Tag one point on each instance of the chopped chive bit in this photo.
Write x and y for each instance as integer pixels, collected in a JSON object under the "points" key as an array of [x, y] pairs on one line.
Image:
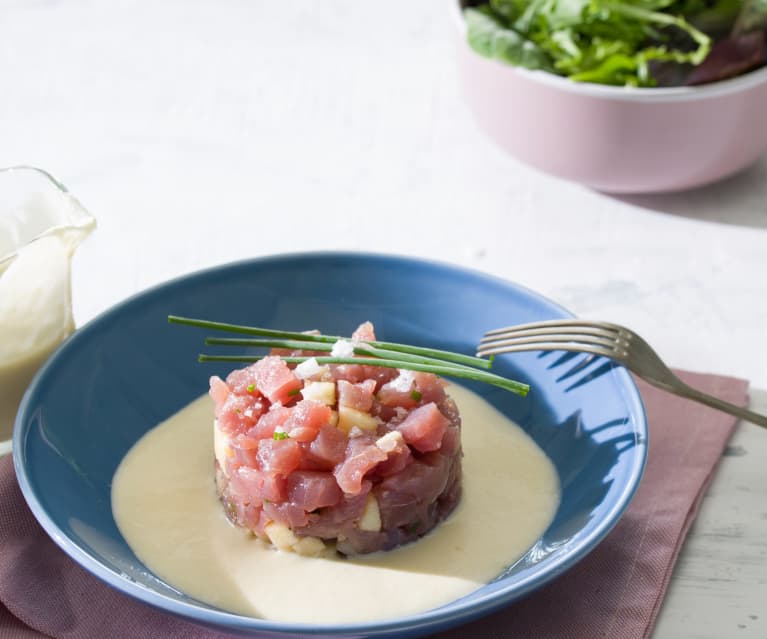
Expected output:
{"points": [[251, 388], [278, 434], [294, 392], [416, 395]]}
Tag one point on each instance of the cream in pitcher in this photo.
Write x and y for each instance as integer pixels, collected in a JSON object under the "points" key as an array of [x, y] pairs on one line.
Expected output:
{"points": [[41, 226]]}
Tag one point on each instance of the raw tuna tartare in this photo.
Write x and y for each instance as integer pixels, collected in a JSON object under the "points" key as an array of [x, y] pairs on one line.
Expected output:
{"points": [[356, 457]]}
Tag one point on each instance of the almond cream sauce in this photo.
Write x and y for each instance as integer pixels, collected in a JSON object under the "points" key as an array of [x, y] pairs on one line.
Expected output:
{"points": [[35, 317], [165, 505]]}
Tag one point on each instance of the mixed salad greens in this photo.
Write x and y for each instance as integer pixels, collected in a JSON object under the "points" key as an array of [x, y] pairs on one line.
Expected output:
{"points": [[642, 43]]}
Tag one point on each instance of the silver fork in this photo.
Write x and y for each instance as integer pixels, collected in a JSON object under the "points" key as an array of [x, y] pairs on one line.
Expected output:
{"points": [[608, 340]]}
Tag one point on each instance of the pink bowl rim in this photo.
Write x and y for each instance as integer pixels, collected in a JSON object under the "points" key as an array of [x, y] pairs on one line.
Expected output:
{"points": [[631, 94]]}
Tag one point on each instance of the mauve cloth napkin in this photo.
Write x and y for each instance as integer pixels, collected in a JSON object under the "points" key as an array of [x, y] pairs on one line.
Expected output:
{"points": [[615, 591]]}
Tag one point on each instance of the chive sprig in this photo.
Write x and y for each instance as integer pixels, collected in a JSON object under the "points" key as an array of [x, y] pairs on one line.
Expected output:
{"points": [[374, 353], [458, 358]]}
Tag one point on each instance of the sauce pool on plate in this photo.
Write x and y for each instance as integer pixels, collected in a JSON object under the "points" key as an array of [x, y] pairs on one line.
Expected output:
{"points": [[165, 505]]}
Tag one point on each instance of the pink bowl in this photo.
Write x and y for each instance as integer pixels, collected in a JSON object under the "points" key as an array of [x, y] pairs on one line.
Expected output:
{"points": [[617, 139]]}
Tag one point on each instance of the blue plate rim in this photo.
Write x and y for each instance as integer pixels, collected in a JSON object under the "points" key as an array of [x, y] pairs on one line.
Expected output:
{"points": [[434, 619]]}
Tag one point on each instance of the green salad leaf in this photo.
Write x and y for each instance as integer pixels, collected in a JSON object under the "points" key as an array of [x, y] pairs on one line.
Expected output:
{"points": [[490, 38], [603, 41]]}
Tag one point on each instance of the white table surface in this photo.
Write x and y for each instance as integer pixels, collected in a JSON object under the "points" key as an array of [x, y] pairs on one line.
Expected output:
{"points": [[203, 132]]}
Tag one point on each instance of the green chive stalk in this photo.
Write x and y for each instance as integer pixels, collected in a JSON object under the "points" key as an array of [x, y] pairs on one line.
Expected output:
{"points": [[458, 358]]}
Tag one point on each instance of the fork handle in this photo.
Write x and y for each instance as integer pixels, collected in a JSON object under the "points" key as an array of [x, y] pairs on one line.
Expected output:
{"points": [[714, 402]]}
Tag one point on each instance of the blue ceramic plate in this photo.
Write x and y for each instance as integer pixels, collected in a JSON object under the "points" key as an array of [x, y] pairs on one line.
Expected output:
{"points": [[98, 395]]}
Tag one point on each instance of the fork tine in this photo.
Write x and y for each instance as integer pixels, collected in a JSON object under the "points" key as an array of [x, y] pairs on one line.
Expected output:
{"points": [[579, 332], [559, 323], [578, 347], [598, 338], [574, 338]]}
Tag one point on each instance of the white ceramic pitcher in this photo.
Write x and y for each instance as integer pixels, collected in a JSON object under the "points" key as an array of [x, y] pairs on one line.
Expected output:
{"points": [[41, 226]]}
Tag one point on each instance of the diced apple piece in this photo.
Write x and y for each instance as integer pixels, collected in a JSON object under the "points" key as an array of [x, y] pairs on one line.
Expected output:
{"points": [[221, 447], [371, 516], [349, 417], [310, 369], [390, 442], [324, 392], [309, 547], [281, 536]]}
